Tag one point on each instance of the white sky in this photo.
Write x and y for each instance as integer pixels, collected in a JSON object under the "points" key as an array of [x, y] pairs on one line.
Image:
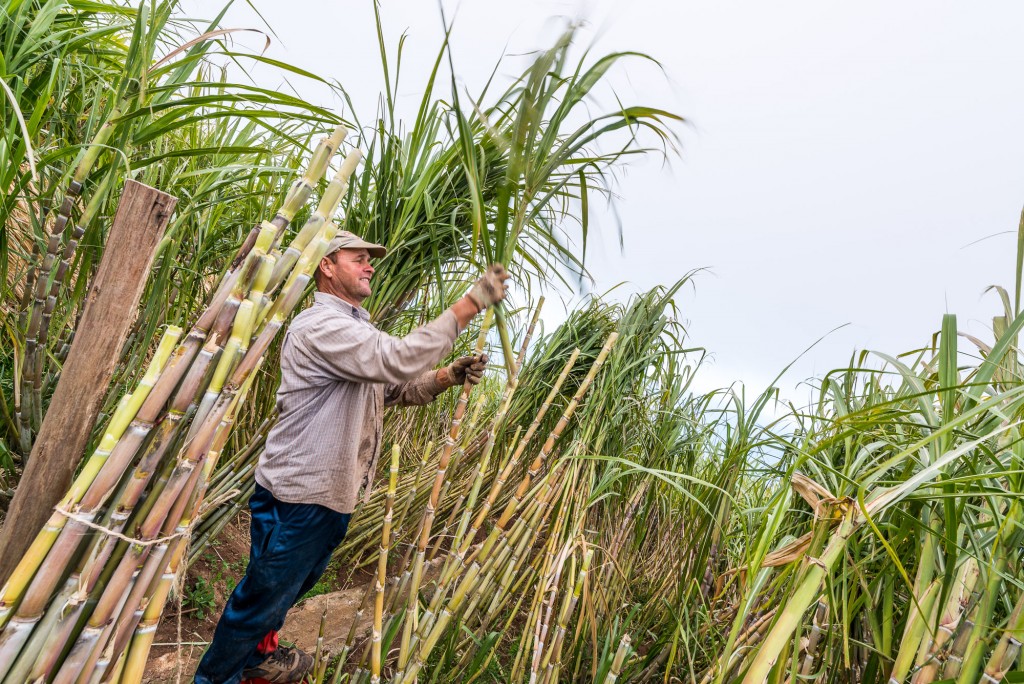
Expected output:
{"points": [[842, 162]]}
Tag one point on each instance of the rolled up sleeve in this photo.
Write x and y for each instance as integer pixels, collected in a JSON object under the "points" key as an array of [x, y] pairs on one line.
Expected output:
{"points": [[417, 392]]}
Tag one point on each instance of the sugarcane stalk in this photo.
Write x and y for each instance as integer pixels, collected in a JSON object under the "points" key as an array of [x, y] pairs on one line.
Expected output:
{"points": [[974, 656], [416, 631], [319, 657], [32, 582], [404, 569], [317, 221], [619, 660], [416, 664], [552, 654], [184, 485], [87, 576], [302, 188], [382, 567], [145, 632], [961, 639], [808, 587], [506, 344], [545, 450], [176, 523], [484, 553], [33, 357], [456, 560], [552, 562], [913, 634], [499, 482], [519, 538], [551, 576], [435, 493], [517, 542], [814, 638], [956, 602], [58, 274], [183, 481], [1008, 648]]}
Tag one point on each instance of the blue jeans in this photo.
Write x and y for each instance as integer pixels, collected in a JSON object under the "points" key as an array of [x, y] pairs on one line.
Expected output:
{"points": [[291, 546]]}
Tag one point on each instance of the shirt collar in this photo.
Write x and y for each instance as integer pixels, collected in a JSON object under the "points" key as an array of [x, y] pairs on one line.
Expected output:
{"points": [[338, 304]]}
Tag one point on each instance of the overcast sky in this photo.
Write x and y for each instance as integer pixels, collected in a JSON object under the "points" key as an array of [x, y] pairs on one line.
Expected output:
{"points": [[845, 164]]}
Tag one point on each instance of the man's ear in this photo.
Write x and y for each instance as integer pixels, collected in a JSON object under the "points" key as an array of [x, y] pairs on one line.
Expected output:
{"points": [[319, 275], [328, 259]]}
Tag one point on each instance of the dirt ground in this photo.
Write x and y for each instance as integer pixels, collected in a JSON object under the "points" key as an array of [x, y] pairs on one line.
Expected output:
{"points": [[209, 583]]}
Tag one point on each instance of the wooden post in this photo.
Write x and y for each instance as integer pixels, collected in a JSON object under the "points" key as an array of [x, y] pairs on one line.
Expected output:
{"points": [[110, 309]]}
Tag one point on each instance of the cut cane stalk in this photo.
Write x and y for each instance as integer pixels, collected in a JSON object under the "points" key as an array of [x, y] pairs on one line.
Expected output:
{"points": [[382, 567], [126, 612], [499, 482], [30, 579], [545, 450], [317, 220], [125, 582]]}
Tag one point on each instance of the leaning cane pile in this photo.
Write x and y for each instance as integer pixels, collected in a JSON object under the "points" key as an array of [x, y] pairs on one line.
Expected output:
{"points": [[84, 602]]}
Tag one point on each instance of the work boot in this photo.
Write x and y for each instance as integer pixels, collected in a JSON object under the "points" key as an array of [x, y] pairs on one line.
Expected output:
{"points": [[282, 665]]}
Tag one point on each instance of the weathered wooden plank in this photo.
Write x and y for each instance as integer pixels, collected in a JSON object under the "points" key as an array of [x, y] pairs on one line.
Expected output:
{"points": [[110, 309]]}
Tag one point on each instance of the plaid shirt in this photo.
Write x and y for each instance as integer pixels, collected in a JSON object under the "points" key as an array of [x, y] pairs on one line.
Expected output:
{"points": [[338, 372]]}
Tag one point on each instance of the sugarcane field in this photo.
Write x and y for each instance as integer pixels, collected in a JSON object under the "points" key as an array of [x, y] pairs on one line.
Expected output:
{"points": [[467, 342]]}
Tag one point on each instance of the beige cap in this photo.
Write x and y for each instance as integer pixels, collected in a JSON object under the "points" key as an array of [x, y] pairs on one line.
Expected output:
{"points": [[347, 240]]}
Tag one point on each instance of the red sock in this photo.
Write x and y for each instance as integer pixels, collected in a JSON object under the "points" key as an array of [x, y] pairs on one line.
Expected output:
{"points": [[269, 643]]}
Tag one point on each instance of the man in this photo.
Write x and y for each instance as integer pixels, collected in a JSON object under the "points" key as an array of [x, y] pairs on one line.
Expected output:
{"points": [[338, 372]]}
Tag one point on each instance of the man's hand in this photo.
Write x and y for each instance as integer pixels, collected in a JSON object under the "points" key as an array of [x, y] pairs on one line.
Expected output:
{"points": [[490, 289], [466, 369]]}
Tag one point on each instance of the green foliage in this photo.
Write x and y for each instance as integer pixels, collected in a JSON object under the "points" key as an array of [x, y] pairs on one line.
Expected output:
{"points": [[138, 98], [199, 598]]}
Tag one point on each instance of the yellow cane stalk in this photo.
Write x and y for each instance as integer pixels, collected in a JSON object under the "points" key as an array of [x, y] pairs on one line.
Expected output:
{"points": [[382, 567], [235, 305], [14, 589]]}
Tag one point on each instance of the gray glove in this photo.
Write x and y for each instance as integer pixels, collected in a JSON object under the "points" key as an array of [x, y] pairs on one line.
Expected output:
{"points": [[490, 289], [466, 369]]}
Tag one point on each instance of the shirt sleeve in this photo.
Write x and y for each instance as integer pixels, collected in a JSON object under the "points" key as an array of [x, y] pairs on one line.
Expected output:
{"points": [[419, 391], [353, 350]]}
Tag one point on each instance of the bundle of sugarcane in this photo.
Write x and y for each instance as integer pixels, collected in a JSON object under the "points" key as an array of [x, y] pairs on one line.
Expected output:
{"points": [[83, 603]]}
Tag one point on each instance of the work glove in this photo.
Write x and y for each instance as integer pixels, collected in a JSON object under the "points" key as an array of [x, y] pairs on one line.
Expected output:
{"points": [[466, 369], [490, 289]]}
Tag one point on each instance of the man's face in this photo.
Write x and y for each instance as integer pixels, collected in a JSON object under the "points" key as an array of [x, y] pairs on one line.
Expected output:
{"points": [[346, 275]]}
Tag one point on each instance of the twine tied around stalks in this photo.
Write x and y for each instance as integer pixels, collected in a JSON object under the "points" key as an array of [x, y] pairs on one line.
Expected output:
{"points": [[185, 534], [87, 522]]}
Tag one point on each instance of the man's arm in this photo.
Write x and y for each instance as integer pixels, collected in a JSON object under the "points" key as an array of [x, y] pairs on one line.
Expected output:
{"points": [[350, 350], [465, 309], [425, 388]]}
